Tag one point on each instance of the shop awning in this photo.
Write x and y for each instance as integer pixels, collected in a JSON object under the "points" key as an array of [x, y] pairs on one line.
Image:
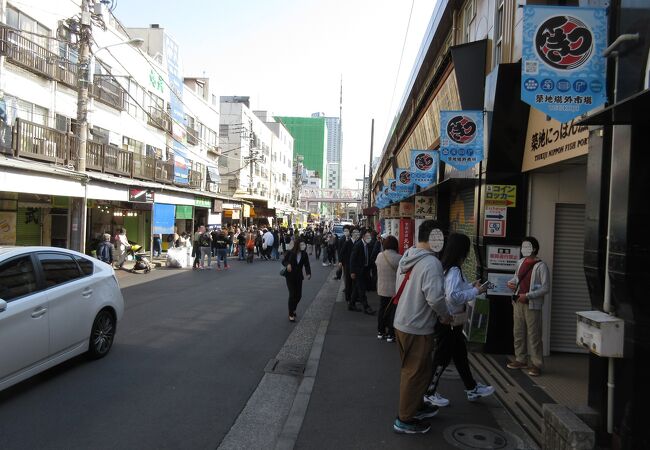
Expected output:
{"points": [[213, 174]]}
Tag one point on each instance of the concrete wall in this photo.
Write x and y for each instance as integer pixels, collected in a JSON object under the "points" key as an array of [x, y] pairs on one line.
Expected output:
{"points": [[559, 184]]}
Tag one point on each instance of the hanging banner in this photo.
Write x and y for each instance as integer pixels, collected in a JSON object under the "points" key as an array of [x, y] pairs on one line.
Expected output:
{"points": [[424, 167], [406, 234], [405, 185], [563, 70], [461, 140], [393, 194], [175, 78]]}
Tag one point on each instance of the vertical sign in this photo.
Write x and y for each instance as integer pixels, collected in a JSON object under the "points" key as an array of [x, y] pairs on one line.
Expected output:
{"points": [[406, 230], [563, 70], [424, 167], [495, 221], [461, 138], [404, 185], [181, 171]]}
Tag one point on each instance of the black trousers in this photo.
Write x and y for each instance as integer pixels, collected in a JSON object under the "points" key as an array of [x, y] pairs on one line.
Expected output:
{"points": [[451, 345], [331, 254], [347, 283], [317, 250], [359, 288], [295, 293], [385, 320]]}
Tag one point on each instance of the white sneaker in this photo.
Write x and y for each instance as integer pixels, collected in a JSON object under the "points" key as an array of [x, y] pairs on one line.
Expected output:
{"points": [[481, 390], [324, 264], [436, 399]]}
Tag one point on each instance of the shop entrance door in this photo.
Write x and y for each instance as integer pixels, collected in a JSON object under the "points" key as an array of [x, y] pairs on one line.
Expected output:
{"points": [[59, 230], [569, 286]]}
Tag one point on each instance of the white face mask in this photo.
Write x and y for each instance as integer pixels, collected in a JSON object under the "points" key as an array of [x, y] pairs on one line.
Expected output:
{"points": [[526, 249], [368, 240], [303, 246], [436, 240]]}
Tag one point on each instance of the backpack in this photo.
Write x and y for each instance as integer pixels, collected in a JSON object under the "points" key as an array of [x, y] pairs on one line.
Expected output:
{"points": [[104, 253], [204, 240]]}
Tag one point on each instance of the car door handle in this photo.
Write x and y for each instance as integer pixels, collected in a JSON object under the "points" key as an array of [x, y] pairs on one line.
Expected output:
{"points": [[38, 312], [86, 292]]}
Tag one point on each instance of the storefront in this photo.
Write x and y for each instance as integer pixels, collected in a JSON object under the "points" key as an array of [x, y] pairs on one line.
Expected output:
{"points": [[555, 158]]}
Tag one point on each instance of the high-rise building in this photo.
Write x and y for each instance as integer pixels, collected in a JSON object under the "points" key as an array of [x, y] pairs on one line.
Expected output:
{"points": [[334, 143], [310, 141]]}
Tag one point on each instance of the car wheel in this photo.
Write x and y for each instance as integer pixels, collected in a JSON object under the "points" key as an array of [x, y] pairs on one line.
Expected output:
{"points": [[102, 335]]}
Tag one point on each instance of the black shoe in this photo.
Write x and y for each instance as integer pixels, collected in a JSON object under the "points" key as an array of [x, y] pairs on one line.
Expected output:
{"points": [[368, 310]]}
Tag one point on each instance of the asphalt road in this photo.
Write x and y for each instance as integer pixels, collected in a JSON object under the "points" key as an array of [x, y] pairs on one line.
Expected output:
{"points": [[189, 352]]}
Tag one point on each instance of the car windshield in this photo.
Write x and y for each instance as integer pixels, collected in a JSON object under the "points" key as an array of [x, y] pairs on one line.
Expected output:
{"points": [[338, 229]]}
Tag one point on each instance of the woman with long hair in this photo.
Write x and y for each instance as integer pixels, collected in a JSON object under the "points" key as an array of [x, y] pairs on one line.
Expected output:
{"points": [[387, 263], [450, 337], [295, 261]]}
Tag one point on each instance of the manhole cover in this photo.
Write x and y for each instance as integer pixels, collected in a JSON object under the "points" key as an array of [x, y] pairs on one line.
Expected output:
{"points": [[479, 437]]}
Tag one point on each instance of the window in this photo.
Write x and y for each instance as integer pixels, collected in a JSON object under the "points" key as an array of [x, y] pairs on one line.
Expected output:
{"points": [[469, 12], [58, 268], [17, 108], [62, 123], [87, 266], [224, 129], [133, 145], [17, 278], [200, 89], [18, 19], [498, 33], [135, 100], [99, 134]]}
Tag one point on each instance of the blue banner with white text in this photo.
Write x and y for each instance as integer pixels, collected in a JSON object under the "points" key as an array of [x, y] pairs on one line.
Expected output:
{"points": [[461, 138], [563, 70], [424, 167]]}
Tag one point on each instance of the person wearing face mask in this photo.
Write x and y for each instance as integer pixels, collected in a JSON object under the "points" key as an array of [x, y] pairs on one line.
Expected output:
{"points": [[295, 261], [360, 264], [529, 285], [345, 249]]}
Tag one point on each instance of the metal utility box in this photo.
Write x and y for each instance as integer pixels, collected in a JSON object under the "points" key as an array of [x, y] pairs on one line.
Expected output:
{"points": [[600, 333]]}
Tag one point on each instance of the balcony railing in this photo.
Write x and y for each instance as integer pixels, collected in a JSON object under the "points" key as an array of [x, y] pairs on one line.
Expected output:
{"points": [[107, 91], [38, 142], [22, 52], [159, 118]]}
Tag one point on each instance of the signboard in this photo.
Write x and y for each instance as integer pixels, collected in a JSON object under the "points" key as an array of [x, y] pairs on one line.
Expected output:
{"points": [[217, 206], [141, 195], [461, 138], [406, 209], [424, 167], [425, 207], [247, 211], [549, 141], [394, 228], [163, 218], [563, 71], [502, 257], [406, 234], [501, 195], [478, 312], [500, 282], [174, 75], [495, 221], [394, 210], [392, 194], [202, 202], [7, 228]]}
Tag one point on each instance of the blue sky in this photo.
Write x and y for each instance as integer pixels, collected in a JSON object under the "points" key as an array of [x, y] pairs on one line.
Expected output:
{"points": [[289, 55]]}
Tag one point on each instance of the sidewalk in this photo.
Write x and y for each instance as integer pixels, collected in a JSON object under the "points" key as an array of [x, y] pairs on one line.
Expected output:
{"points": [[355, 395]]}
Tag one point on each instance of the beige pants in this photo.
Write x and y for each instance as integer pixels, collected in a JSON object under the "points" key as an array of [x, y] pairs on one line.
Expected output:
{"points": [[528, 334], [415, 375]]}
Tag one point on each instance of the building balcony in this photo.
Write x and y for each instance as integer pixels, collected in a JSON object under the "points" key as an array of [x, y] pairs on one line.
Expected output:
{"points": [[159, 118], [27, 54], [37, 142], [107, 91], [192, 136]]}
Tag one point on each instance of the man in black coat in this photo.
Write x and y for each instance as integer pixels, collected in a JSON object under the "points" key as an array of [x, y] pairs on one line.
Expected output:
{"points": [[345, 250], [360, 264]]}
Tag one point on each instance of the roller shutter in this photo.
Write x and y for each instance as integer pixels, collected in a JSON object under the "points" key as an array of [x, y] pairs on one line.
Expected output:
{"points": [[569, 287]]}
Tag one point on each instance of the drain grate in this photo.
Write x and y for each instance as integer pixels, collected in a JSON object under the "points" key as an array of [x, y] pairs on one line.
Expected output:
{"points": [[480, 437], [283, 367]]}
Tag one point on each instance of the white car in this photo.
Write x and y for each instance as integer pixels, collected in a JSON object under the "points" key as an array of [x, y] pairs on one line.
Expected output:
{"points": [[54, 304]]}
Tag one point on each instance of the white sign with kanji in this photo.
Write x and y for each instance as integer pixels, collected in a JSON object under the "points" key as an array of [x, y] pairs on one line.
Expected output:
{"points": [[503, 257]]}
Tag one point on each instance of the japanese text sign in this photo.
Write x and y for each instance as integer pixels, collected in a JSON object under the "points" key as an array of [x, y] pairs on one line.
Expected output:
{"points": [[461, 138], [501, 195], [424, 167], [502, 257], [425, 207], [563, 70], [405, 237]]}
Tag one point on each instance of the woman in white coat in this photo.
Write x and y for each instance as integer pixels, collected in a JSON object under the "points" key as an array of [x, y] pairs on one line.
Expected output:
{"points": [[387, 263]]}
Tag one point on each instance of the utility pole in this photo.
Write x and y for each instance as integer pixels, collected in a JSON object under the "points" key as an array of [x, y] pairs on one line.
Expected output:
{"points": [[83, 81], [372, 141]]}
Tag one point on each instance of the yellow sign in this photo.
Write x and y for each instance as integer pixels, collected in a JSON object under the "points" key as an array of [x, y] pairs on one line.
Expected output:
{"points": [[549, 141], [501, 195]]}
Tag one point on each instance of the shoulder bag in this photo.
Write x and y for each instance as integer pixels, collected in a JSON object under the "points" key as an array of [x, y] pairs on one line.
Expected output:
{"points": [[515, 296]]}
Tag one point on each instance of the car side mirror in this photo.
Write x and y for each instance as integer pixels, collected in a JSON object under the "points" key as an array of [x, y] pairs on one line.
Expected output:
{"points": [[3, 305]]}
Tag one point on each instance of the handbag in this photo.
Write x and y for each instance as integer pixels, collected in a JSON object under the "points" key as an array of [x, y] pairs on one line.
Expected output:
{"points": [[283, 272], [459, 319]]}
